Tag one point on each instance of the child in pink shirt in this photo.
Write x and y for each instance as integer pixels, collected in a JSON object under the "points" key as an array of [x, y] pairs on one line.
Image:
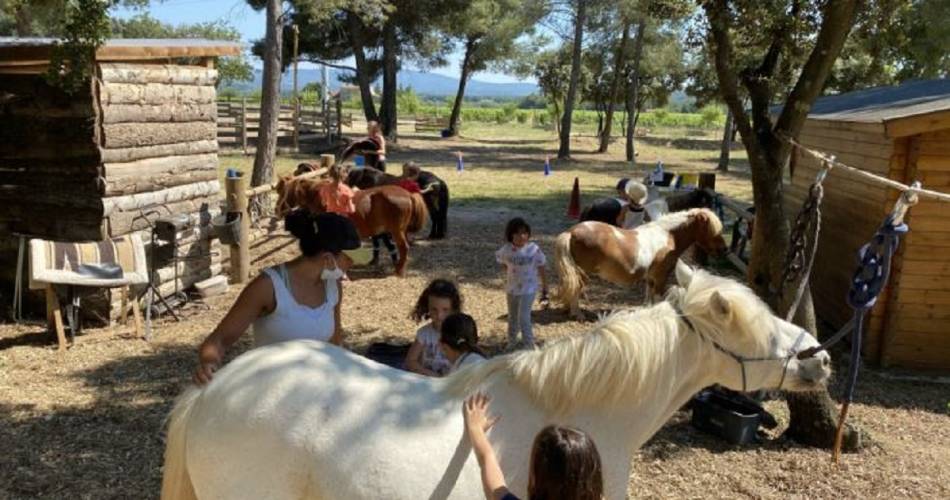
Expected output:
{"points": [[337, 197]]}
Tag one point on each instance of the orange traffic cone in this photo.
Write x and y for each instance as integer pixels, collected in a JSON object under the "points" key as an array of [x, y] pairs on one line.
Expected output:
{"points": [[574, 207]]}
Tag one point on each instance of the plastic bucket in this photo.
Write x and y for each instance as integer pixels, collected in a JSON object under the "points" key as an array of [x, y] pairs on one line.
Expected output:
{"points": [[360, 256], [227, 228]]}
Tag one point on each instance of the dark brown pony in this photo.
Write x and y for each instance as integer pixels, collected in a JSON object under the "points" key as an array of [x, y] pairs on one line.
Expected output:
{"points": [[379, 210], [365, 178], [625, 257]]}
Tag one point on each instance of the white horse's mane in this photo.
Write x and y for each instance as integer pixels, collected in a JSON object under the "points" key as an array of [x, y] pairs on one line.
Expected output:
{"points": [[612, 360], [674, 220]]}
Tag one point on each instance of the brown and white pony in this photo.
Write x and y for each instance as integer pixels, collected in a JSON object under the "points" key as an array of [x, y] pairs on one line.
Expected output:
{"points": [[625, 257], [379, 210]]}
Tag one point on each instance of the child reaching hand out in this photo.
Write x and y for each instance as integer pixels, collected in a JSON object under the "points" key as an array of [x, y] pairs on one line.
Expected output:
{"points": [[565, 463], [524, 264]]}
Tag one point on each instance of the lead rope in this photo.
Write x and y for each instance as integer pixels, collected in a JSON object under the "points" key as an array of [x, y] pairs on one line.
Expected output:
{"points": [[869, 279], [798, 262]]}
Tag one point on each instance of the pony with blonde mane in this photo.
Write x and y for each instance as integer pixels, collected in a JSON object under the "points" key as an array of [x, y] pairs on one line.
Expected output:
{"points": [[626, 257], [304, 419]]}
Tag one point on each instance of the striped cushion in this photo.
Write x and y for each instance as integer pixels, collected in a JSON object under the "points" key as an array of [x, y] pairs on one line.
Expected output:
{"points": [[58, 262]]}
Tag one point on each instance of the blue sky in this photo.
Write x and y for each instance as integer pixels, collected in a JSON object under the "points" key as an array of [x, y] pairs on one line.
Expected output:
{"points": [[251, 24]]}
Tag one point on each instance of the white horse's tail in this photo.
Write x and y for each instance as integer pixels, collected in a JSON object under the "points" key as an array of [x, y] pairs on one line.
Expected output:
{"points": [[570, 276], [176, 483]]}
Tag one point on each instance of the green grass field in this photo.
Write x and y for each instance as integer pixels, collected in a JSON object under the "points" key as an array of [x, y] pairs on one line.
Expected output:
{"points": [[504, 164]]}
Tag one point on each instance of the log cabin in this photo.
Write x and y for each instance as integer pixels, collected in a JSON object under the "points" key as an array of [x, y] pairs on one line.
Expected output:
{"points": [[137, 142], [902, 133]]}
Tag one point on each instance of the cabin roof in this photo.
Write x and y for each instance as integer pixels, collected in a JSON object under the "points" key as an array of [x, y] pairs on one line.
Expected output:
{"points": [[36, 51], [885, 104]]}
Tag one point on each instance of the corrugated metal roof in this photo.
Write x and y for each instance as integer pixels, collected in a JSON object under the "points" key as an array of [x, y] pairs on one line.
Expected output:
{"points": [[883, 104]]}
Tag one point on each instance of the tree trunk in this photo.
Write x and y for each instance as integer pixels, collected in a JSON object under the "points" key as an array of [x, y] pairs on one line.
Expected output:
{"points": [[388, 109], [726, 144], [470, 45], [633, 89], [362, 74], [564, 151], [24, 22], [813, 416], [614, 88], [270, 98]]}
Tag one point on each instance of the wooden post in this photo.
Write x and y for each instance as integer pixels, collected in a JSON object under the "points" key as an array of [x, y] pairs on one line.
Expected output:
{"points": [[297, 124], [244, 124], [339, 117], [241, 252], [54, 315], [296, 98]]}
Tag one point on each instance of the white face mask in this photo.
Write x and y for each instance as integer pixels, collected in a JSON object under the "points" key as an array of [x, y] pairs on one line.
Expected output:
{"points": [[333, 274]]}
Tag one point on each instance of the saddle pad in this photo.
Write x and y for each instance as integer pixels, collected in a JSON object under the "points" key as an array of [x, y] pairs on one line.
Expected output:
{"points": [[59, 263]]}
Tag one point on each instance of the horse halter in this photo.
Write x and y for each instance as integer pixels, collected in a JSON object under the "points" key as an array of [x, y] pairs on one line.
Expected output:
{"points": [[742, 360]]}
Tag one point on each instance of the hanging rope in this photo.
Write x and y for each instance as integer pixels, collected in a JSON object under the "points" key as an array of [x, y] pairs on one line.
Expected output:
{"points": [[867, 283], [801, 256], [923, 193]]}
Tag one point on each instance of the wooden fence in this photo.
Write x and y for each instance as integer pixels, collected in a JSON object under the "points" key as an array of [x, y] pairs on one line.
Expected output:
{"points": [[239, 122]]}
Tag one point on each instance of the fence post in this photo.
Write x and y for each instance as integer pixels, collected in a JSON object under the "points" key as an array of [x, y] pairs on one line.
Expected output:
{"points": [[244, 124], [339, 117], [236, 192], [296, 119]]}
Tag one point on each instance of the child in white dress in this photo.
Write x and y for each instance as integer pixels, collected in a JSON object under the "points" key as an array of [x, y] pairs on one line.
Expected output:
{"points": [[440, 299]]}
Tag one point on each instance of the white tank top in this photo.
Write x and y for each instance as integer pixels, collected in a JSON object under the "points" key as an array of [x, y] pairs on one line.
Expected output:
{"points": [[293, 321]]}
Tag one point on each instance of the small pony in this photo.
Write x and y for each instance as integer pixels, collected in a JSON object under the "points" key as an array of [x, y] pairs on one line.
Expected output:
{"points": [[379, 210], [607, 210], [305, 419], [625, 257]]}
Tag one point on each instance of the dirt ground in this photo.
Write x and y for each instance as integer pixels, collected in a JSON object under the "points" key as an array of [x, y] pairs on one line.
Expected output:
{"points": [[88, 424]]}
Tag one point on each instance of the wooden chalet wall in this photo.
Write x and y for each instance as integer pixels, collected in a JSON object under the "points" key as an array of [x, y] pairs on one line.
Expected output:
{"points": [[852, 209], [141, 142], [917, 330], [50, 165], [910, 324], [159, 151]]}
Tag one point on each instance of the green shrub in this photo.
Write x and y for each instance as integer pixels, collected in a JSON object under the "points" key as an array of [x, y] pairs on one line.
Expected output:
{"points": [[711, 116]]}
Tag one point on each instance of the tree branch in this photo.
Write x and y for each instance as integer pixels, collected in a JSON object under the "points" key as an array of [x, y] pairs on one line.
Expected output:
{"points": [[719, 21], [835, 26], [330, 64]]}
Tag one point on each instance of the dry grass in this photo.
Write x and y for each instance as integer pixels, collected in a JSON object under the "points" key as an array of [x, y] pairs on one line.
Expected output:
{"points": [[89, 424]]}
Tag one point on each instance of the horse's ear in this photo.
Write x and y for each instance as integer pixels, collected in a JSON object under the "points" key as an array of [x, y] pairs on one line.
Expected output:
{"points": [[684, 273], [720, 305]]}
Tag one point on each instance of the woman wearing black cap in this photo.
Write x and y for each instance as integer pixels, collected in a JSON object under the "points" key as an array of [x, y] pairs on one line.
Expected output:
{"points": [[295, 300]]}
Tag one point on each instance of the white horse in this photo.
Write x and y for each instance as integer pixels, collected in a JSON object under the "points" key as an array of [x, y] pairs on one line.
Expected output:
{"points": [[309, 420]]}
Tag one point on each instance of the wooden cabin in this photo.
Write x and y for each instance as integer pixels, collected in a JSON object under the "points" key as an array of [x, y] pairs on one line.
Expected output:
{"points": [[902, 133], [138, 142]]}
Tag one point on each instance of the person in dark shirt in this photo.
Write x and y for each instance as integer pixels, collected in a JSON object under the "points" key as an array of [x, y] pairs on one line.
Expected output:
{"points": [[373, 148], [436, 194], [607, 210]]}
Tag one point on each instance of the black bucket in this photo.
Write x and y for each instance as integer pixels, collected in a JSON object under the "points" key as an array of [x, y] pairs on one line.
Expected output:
{"points": [[731, 418], [227, 228]]}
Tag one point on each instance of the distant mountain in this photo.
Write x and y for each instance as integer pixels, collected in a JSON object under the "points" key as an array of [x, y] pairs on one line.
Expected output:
{"points": [[425, 84]]}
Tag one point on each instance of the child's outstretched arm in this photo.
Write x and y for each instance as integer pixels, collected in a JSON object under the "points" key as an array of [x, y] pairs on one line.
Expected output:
{"points": [[477, 422], [413, 362]]}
